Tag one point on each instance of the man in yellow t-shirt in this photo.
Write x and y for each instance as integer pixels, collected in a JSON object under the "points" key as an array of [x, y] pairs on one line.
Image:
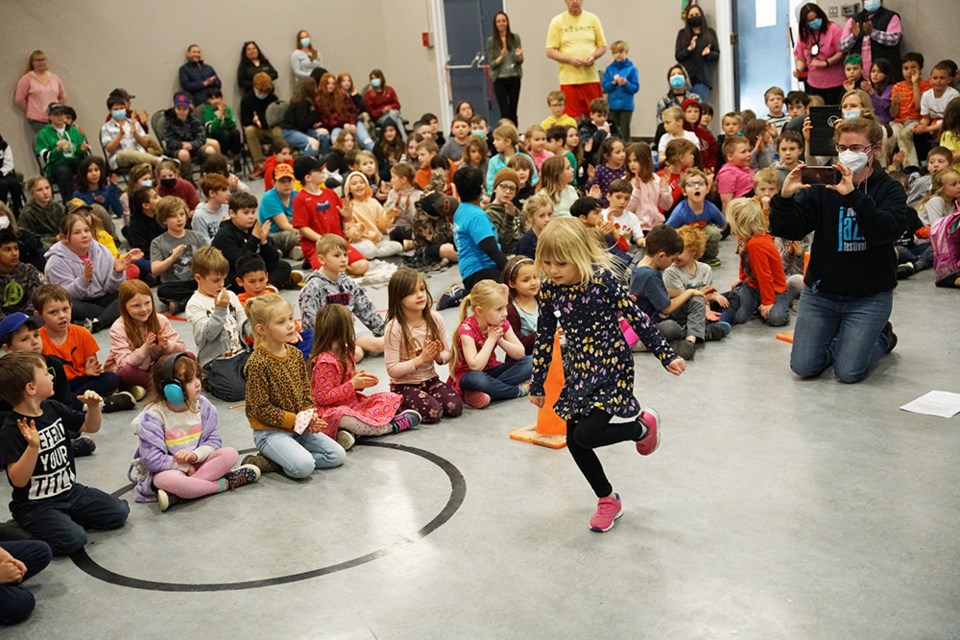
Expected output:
{"points": [[575, 39]]}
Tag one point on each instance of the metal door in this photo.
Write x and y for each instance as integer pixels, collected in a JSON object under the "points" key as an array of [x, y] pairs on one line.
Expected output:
{"points": [[468, 24], [762, 54]]}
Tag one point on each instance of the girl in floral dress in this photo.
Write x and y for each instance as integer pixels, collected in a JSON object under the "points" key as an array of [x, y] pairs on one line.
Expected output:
{"points": [[585, 298], [336, 384]]}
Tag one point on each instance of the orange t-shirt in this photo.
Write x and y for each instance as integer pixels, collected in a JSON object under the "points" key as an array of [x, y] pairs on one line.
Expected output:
{"points": [[74, 351], [908, 108]]}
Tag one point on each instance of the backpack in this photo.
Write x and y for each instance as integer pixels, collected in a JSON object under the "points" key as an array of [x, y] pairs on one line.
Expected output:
{"points": [[945, 238]]}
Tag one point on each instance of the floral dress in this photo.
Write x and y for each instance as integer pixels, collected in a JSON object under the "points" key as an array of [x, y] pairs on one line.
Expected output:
{"points": [[334, 397], [598, 364]]}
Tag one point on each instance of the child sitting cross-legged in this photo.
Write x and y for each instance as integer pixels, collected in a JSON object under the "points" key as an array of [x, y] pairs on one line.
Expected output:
{"points": [[47, 500], [18, 280], [251, 274], [219, 326], [699, 212], [523, 312], [415, 342], [625, 224], [181, 454], [681, 319], [287, 430], [502, 212], [209, 215], [242, 234], [336, 385], [371, 223], [331, 285], [172, 252], [687, 272], [538, 210], [762, 285]]}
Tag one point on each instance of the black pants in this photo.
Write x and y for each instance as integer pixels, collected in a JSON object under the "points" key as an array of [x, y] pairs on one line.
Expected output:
{"points": [[280, 274], [483, 274], [16, 603], [594, 430], [508, 97], [230, 141], [178, 292], [10, 187], [62, 521], [62, 176], [106, 309], [830, 96]]}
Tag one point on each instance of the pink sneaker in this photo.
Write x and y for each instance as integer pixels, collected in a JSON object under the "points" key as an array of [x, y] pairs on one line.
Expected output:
{"points": [[608, 510], [476, 399], [650, 418]]}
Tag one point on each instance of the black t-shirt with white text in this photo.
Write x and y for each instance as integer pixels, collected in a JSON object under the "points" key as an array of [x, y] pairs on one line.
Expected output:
{"points": [[54, 473]]}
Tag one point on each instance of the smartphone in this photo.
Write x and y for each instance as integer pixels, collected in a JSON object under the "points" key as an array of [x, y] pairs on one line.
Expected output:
{"points": [[819, 175], [823, 120]]}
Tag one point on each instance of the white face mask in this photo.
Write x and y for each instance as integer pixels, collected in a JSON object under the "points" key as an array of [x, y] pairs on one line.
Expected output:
{"points": [[853, 160], [4, 222]]}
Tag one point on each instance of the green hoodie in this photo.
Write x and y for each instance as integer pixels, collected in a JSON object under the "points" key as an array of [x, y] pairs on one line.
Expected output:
{"points": [[43, 221], [46, 147]]}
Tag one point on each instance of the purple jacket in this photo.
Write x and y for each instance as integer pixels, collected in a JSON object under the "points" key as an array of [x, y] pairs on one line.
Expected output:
{"points": [[153, 456], [65, 268]]}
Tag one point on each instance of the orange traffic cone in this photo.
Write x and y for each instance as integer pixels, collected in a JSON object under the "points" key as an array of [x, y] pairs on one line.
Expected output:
{"points": [[550, 430]]}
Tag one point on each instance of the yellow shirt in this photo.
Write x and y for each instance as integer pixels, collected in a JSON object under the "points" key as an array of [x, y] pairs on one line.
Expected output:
{"points": [[578, 37], [106, 240], [563, 120], [952, 142]]}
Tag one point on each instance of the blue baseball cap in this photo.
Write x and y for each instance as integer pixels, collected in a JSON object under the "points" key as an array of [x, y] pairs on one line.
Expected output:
{"points": [[16, 320]]}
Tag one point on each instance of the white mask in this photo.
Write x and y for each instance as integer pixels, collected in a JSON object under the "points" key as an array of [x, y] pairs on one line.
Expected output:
{"points": [[4, 222], [855, 161]]}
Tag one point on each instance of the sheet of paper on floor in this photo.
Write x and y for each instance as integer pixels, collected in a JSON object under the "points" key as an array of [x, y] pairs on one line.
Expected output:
{"points": [[943, 404]]}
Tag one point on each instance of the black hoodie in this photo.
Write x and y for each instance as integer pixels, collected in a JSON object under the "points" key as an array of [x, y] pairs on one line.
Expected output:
{"points": [[852, 251]]}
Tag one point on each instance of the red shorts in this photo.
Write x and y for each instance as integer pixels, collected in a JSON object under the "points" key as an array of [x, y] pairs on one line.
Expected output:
{"points": [[352, 256], [579, 97]]}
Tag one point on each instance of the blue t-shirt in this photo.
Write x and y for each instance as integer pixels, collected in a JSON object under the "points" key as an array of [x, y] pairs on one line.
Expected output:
{"points": [[271, 205], [646, 285], [684, 215], [471, 226]]}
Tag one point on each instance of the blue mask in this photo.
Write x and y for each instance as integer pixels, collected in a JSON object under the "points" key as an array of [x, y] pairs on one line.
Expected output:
{"points": [[851, 114], [871, 5], [815, 24], [146, 183], [119, 114], [375, 82], [304, 42], [677, 82], [262, 96]]}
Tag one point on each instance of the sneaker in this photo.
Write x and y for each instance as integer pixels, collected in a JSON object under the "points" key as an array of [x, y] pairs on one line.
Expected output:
{"points": [[257, 172], [295, 281], [714, 332], [296, 253], [244, 474], [346, 440], [524, 390], [138, 392], [716, 262], [684, 348], [90, 324], [650, 418], [726, 327], [905, 270], [166, 500], [406, 420], [891, 336], [83, 446], [608, 510], [452, 297], [262, 462], [122, 401], [476, 399]]}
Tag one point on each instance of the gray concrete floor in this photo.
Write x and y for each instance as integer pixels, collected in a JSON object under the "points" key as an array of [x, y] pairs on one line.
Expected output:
{"points": [[775, 508]]}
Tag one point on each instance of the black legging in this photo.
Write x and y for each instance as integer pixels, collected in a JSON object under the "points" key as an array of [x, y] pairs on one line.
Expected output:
{"points": [[507, 91], [491, 273], [106, 309], [62, 175], [586, 434], [830, 96]]}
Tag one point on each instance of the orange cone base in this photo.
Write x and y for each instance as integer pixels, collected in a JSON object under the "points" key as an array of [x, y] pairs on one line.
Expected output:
{"points": [[529, 434], [786, 336]]}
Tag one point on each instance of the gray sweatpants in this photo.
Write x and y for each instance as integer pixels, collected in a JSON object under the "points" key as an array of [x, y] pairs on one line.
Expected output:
{"points": [[688, 320]]}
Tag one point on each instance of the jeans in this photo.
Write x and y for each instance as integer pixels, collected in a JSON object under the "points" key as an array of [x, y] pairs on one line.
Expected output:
{"points": [[702, 90], [363, 138], [104, 384], [845, 331], [299, 454], [16, 603], [61, 521], [502, 381], [589, 432], [301, 141], [750, 301]]}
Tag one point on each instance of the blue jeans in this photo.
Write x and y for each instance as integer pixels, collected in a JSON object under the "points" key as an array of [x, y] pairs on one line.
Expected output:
{"points": [[750, 301], [502, 381], [61, 521], [841, 330], [301, 141], [300, 454], [701, 90], [363, 138], [16, 603]]}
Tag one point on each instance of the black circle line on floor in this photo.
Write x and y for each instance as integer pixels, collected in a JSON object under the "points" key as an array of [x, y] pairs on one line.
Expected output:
{"points": [[458, 491]]}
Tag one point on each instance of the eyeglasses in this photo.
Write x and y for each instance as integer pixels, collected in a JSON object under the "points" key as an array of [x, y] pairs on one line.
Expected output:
{"points": [[697, 184], [507, 188], [856, 148]]}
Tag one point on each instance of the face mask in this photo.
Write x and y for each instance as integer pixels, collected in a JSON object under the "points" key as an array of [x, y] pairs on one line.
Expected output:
{"points": [[262, 96], [4, 222], [304, 42], [695, 21], [169, 183], [853, 160], [851, 114], [146, 183], [375, 82], [871, 5], [677, 82], [119, 114], [815, 24], [477, 132]]}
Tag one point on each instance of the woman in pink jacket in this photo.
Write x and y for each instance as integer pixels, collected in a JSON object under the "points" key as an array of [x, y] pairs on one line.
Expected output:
{"points": [[818, 54], [36, 89]]}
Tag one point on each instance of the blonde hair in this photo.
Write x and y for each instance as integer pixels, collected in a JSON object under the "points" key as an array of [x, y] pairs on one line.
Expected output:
{"points": [[674, 113], [693, 239], [507, 132], [619, 46], [550, 172], [556, 96], [169, 205], [567, 239], [535, 203], [209, 260], [485, 293], [746, 218], [767, 175], [692, 173], [261, 310], [532, 129], [937, 184], [330, 241]]}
